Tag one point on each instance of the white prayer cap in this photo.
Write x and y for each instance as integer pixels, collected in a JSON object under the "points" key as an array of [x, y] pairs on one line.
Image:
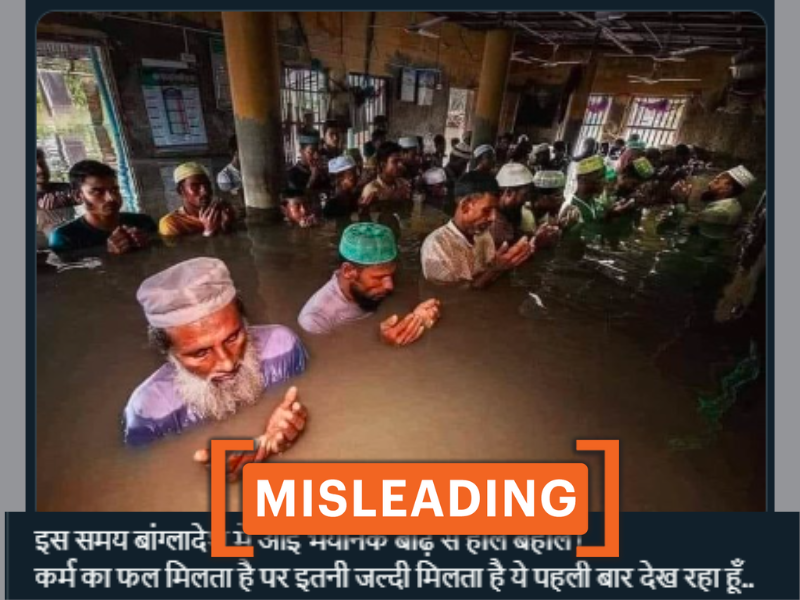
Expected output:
{"points": [[461, 150], [340, 164], [549, 180], [481, 150], [408, 142], [186, 292], [540, 148], [742, 176], [514, 175], [434, 176]]}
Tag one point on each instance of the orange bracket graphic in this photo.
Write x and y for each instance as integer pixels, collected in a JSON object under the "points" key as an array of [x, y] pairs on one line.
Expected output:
{"points": [[610, 548], [219, 488]]}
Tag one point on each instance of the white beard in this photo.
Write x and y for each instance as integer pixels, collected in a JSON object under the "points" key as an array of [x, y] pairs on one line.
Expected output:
{"points": [[207, 399]]}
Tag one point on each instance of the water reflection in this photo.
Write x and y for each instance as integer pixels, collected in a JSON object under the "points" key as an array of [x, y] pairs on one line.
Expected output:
{"points": [[607, 339]]}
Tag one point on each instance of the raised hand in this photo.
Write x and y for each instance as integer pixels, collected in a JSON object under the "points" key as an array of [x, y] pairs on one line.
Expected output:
{"points": [[402, 332]]}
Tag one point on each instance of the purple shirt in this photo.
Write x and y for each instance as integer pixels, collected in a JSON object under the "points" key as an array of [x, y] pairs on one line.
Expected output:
{"points": [[328, 308], [155, 408]]}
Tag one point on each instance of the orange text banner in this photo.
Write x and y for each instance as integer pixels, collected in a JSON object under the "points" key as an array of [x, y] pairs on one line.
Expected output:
{"points": [[416, 498]]}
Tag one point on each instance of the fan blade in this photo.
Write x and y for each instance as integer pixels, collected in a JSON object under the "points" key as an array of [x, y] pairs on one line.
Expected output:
{"points": [[672, 59], [631, 55], [427, 34], [674, 79], [685, 51], [568, 62], [428, 23]]}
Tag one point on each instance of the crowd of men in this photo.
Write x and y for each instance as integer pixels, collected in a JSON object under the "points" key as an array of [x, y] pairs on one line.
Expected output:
{"points": [[504, 202]]}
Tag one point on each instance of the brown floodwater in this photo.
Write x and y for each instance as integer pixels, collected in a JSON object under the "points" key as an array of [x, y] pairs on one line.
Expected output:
{"points": [[622, 350]]}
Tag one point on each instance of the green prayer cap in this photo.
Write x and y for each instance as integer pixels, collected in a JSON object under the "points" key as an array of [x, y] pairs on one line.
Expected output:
{"points": [[368, 244], [590, 165], [644, 168]]}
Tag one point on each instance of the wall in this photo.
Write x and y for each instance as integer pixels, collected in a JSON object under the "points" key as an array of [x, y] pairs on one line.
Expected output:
{"points": [[375, 44], [127, 43], [732, 137], [358, 42]]}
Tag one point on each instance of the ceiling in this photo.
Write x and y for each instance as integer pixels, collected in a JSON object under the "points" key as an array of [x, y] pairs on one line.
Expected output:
{"points": [[650, 32]]}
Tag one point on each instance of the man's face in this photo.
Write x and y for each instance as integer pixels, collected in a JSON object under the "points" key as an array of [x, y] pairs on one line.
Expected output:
{"points": [[478, 212], [347, 180], [410, 157], [719, 188], [487, 163], [437, 190], [42, 173], [333, 137], [591, 184], [211, 348], [393, 166], [549, 200], [542, 157], [100, 196], [440, 146], [627, 185], [196, 191], [370, 285], [457, 164], [296, 212], [309, 155], [512, 199], [235, 160]]}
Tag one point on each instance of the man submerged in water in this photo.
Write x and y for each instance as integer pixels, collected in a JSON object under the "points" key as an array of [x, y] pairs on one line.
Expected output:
{"points": [[199, 212], [363, 281], [94, 185], [216, 361], [722, 197], [463, 250]]}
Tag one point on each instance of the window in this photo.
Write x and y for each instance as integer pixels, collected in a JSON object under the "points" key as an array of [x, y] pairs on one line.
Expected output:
{"points": [[594, 119], [655, 119], [304, 102], [369, 100]]}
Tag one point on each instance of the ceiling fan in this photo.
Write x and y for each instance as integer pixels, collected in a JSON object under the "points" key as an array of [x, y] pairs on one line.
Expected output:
{"points": [[605, 31], [653, 78], [663, 55], [676, 56], [542, 62], [418, 28]]}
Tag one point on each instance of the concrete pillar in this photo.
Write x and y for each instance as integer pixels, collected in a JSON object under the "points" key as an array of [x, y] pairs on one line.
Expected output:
{"points": [[492, 85], [254, 67], [576, 109]]}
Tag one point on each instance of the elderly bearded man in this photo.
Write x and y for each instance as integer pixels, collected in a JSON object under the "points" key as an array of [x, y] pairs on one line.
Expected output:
{"points": [[216, 361]]}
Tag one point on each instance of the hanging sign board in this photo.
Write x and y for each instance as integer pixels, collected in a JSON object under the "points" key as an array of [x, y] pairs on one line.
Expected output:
{"points": [[408, 85], [172, 98]]}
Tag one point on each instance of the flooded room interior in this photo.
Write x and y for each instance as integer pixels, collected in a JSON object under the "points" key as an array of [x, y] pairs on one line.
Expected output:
{"points": [[462, 236]]}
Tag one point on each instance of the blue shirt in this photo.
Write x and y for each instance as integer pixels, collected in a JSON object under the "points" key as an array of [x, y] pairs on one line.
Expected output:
{"points": [[78, 234]]}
